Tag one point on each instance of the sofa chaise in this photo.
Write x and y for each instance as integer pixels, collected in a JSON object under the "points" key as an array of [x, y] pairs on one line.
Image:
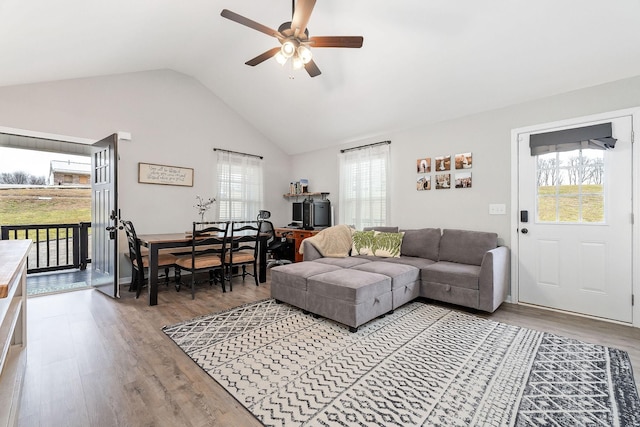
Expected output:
{"points": [[461, 267]]}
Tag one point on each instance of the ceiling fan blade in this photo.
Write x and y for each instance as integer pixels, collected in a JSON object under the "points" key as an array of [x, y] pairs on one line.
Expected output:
{"points": [[263, 57], [301, 15], [226, 13], [336, 41], [312, 68]]}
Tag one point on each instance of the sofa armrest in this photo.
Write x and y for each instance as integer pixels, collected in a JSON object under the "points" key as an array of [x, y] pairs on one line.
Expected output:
{"points": [[494, 278], [309, 252]]}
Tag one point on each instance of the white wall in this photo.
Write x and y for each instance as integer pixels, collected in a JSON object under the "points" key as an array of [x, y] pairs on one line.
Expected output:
{"points": [[173, 120], [487, 136]]}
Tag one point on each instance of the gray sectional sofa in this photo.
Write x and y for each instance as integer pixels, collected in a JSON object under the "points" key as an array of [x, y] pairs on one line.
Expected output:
{"points": [[462, 267]]}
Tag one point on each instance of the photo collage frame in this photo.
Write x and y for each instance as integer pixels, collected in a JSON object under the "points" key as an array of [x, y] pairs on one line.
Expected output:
{"points": [[438, 171]]}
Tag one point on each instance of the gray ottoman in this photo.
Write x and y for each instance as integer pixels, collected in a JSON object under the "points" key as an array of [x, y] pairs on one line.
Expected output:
{"points": [[289, 282], [405, 279], [349, 296]]}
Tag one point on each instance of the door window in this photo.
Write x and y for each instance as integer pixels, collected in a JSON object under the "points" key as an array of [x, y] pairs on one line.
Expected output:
{"points": [[570, 187]]}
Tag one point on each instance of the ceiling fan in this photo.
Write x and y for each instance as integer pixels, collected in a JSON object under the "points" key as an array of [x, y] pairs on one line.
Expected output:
{"points": [[294, 38]]}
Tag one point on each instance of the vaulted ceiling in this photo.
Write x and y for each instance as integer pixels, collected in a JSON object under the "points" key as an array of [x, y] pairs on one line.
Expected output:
{"points": [[422, 61]]}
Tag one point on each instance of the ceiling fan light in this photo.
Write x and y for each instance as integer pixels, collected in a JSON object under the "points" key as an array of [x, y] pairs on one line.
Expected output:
{"points": [[288, 49], [304, 53], [280, 58], [297, 62]]}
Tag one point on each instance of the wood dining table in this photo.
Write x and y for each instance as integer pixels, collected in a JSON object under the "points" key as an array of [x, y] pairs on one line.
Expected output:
{"points": [[155, 242]]}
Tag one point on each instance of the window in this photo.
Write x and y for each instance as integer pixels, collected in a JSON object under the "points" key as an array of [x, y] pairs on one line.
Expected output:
{"points": [[570, 187], [239, 184], [364, 180]]}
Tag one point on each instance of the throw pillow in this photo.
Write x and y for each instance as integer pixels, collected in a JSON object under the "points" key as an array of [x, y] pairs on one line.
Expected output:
{"points": [[387, 245], [363, 243]]}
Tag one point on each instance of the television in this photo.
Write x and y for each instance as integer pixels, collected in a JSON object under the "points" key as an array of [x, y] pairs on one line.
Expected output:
{"points": [[296, 212]]}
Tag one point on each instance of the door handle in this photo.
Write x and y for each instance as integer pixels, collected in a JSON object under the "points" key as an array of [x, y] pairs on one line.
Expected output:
{"points": [[112, 232], [524, 231]]}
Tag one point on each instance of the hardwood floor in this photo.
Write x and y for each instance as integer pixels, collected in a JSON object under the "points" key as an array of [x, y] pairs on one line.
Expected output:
{"points": [[95, 361]]}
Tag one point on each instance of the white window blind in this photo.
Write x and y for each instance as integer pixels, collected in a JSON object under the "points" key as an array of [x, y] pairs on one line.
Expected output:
{"points": [[364, 181], [239, 184]]}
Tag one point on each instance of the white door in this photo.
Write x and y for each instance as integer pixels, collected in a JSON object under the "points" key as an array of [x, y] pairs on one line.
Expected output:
{"points": [[104, 216], [575, 247]]}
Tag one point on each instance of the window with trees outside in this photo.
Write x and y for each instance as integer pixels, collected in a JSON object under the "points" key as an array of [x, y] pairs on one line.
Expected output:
{"points": [[570, 187]]}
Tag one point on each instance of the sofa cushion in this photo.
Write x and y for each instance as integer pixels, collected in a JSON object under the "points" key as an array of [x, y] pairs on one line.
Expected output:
{"points": [[466, 247], [422, 243], [295, 275], [453, 274], [407, 260], [346, 262], [400, 274], [383, 229]]}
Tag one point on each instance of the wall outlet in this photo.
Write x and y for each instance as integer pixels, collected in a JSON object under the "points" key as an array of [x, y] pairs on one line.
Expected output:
{"points": [[497, 209]]}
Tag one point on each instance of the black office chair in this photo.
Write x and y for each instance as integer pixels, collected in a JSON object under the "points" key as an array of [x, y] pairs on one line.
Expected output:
{"points": [[277, 246]]}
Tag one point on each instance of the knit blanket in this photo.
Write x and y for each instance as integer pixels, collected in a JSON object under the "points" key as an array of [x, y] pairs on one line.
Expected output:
{"points": [[332, 242]]}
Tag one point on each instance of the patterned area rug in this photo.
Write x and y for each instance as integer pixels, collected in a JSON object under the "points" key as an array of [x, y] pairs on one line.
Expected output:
{"points": [[422, 365]]}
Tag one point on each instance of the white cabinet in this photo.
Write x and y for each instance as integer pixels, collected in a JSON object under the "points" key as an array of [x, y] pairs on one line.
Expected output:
{"points": [[13, 327]]}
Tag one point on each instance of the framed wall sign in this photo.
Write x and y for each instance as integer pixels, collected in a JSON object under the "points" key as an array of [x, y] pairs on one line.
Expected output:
{"points": [[149, 173]]}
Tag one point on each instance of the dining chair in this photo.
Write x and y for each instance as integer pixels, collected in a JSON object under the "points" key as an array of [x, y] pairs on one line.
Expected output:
{"points": [[140, 261], [242, 250], [208, 241]]}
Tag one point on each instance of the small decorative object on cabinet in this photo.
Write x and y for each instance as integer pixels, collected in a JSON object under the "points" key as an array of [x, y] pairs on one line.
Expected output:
{"points": [[13, 325]]}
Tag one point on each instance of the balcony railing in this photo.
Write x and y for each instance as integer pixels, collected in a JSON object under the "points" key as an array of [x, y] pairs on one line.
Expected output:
{"points": [[55, 246]]}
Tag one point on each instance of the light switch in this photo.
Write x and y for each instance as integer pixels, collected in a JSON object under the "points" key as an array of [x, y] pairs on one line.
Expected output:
{"points": [[497, 209]]}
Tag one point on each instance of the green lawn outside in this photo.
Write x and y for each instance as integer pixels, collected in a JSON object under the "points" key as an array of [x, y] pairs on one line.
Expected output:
{"points": [[49, 205], [569, 203]]}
